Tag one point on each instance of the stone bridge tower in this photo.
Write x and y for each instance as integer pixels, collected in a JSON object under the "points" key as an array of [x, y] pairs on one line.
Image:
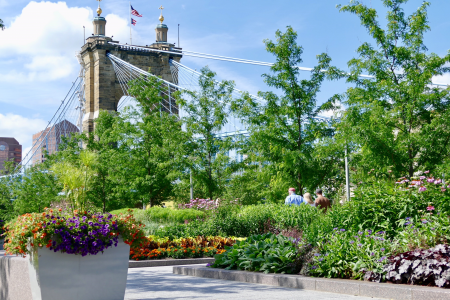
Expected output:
{"points": [[102, 88]]}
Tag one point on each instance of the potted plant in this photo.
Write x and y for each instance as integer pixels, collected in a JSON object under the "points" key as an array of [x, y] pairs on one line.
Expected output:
{"points": [[75, 255]]}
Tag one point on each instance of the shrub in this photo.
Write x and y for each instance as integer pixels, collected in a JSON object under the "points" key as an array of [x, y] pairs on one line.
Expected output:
{"points": [[349, 254], [266, 253], [160, 214], [423, 232], [422, 267]]}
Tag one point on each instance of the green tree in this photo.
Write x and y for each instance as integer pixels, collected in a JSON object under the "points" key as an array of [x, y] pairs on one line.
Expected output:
{"points": [[109, 187], [34, 190], [2, 26], [286, 139], [396, 119], [206, 115], [154, 141]]}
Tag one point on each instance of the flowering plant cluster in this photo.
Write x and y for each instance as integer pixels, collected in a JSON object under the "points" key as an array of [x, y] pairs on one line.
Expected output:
{"points": [[156, 248], [206, 204], [200, 204], [173, 252], [348, 254], [73, 233], [422, 183]]}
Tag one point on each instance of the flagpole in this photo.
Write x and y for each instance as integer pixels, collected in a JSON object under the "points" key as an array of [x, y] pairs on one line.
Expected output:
{"points": [[131, 41]]}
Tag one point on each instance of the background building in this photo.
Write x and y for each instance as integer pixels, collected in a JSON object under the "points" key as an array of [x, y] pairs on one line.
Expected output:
{"points": [[10, 150], [49, 139]]}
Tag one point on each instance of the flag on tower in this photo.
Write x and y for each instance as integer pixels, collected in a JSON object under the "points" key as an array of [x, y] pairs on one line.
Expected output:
{"points": [[133, 22], [135, 12]]}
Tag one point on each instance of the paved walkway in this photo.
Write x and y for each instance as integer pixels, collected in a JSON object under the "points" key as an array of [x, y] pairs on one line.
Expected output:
{"points": [[161, 283]]}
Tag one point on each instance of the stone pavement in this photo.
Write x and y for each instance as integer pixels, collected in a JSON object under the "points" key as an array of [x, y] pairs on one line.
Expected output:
{"points": [[161, 283]]}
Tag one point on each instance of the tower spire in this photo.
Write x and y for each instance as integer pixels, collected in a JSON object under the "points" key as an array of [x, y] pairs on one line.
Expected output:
{"points": [[99, 10], [161, 18], [161, 29]]}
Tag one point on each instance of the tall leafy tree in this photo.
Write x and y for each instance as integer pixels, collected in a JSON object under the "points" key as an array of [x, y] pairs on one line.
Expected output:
{"points": [[155, 143], [206, 116], [293, 147], [2, 26], [109, 188], [397, 119]]}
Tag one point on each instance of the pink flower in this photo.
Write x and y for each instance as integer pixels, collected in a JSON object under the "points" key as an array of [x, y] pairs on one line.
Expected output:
{"points": [[430, 180], [426, 172], [406, 180], [422, 189], [422, 177], [430, 208], [438, 181], [390, 171], [443, 189]]}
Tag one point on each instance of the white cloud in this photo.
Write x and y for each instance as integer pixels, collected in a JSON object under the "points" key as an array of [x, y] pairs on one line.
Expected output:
{"points": [[20, 128], [45, 38], [444, 79]]}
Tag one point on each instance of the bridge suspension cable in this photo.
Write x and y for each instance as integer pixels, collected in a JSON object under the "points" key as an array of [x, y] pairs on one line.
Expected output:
{"points": [[232, 59]]}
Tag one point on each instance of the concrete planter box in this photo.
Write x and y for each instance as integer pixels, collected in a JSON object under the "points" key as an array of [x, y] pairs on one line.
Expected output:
{"points": [[56, 275]]}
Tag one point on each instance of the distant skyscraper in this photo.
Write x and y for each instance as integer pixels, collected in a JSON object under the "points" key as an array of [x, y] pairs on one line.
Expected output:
{"points": [[10, 150], [49, 139]]}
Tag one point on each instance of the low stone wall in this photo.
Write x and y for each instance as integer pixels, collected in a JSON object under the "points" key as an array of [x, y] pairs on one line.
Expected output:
{"points": [[14, 278], [340, 286], [168, 262]]}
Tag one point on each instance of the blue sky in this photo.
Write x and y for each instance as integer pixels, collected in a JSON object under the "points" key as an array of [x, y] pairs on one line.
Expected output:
{"points": [[37, 50]]}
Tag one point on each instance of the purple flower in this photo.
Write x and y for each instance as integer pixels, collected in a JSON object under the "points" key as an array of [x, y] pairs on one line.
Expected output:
{"points": [[360, 232], [369, 231], [342, 230], [316, 254], [359, 245], [314, 267], [422, 189], [382, 249], [424, 221], [372, 254], [382, 259], [438, 181], [335, 228], [209, 264], [430, 180], [321, 259], [352, 242]]}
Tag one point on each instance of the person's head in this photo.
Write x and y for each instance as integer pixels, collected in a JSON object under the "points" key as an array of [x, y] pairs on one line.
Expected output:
{"points": [[308, 198], [291, 191], [319, 192]]}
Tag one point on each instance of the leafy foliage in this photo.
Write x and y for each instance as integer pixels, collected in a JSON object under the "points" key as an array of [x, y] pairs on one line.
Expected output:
{"points": [[422, 267], [266, 253], [206, 116], [284, 135], [349, 254], [397, 118]]}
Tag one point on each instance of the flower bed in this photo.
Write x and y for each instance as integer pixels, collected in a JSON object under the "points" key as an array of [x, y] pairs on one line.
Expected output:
{"points": [[73, 233], [159, 248]]}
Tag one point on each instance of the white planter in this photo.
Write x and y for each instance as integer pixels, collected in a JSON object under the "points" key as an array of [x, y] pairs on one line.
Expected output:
{"points": [[62, 276]]}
